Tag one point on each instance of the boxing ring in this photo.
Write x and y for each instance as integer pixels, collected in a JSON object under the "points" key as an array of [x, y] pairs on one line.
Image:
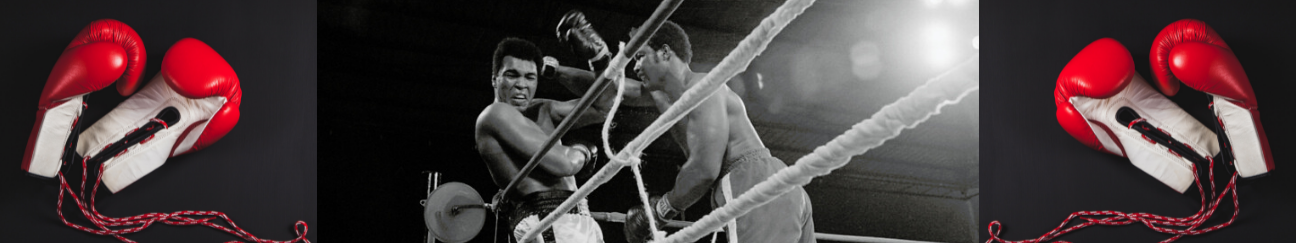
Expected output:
{"points": [[907, 112]]}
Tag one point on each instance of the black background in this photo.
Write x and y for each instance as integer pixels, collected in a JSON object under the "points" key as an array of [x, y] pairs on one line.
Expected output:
{"points": [[1035, 174], [262, 174]]}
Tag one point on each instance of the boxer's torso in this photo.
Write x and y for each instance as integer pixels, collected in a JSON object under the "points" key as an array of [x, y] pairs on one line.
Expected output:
{"points": [[742, 135], [504, 164]]}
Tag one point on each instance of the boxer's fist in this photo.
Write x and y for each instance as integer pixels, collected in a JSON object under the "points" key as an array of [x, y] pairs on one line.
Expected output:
{"points": [[636, 223], [636, 228], [577, 33], [588, 160]]}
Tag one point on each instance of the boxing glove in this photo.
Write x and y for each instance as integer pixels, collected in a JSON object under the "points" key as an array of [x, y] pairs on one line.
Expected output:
{"points": [[1189, 51], [1098, 85], [636, 226], [577, 33], [588, 162], [191, 103], [104, 52]]}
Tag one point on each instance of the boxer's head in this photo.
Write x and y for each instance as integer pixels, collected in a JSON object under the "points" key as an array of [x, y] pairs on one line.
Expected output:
{"points": [[514, 71], [667, 53]]}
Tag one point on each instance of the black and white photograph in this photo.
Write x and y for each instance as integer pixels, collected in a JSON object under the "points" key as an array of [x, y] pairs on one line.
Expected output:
{"points": [[661, 121]]}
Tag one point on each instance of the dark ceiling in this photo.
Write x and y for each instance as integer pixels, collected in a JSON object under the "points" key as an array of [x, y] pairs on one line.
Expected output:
{"points": [[414, 74]]}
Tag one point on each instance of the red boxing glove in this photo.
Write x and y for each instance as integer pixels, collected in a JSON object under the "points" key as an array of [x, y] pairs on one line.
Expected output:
{"points": [[105, 51], [1189, 51]]}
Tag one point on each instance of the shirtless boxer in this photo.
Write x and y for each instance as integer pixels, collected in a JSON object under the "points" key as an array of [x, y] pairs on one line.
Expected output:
{"points": [[513, 128], [722, 148]]}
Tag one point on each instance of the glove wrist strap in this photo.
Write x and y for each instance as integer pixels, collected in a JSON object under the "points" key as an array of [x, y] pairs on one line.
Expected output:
{"points": [[550, 68], [664, 209], [601, 61]]}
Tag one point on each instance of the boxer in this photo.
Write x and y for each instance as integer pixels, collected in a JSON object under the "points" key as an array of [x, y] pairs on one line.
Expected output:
{"points": [[513, 128], [725, 155]]}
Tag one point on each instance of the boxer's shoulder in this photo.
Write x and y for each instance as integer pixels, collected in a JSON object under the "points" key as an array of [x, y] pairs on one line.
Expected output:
{"points": [[552, 109], [496, 114], [539, 103]]}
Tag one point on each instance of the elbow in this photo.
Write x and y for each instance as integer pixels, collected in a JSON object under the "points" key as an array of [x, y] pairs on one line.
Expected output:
{"points": [[704, 177], [699, 185], [570, 164], [708, 175], [569, 171], [562, 170], [707, 181], [602, 109], [710, 178], [563, 164], [574, 167], [709, 171], [567, 168]]}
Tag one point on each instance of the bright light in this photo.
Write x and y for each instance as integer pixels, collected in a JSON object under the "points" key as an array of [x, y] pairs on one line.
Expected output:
{"points": [[958, 2], [938, 38], [976, 44], [760, 81]]}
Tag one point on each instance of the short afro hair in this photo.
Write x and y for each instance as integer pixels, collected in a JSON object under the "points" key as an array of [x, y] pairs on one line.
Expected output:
{"points": [[672, 35], [516, 48]]}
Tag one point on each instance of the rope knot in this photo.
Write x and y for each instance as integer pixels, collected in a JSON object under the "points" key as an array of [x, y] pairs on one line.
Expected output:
{"points": [[624, 161]]}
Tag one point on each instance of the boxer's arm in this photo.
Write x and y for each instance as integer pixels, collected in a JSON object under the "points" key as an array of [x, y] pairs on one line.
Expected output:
{"points": [[708, 137], [578, 81], [559, 110], [522, 138]]}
